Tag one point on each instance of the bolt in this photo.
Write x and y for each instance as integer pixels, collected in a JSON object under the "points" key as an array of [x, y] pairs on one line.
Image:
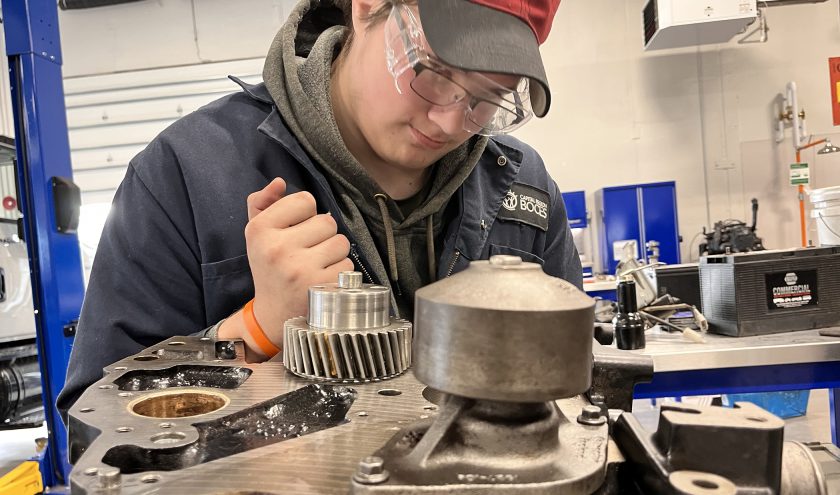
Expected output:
{"points": [[109, 478], [502, 161], [591, 415], [371, 471]]}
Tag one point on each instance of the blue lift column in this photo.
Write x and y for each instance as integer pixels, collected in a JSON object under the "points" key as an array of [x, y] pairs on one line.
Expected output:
{"points": [[44, 174]]}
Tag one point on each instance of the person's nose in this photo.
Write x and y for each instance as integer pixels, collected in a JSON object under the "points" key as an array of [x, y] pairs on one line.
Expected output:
{"points": [[450, 119]]}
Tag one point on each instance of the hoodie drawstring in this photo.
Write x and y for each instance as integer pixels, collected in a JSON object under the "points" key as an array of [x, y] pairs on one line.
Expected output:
{"points": [[389, 235], [430, 247], [391, 245]]}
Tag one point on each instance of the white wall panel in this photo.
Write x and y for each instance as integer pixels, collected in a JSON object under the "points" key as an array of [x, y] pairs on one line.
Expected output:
{"points": [[112, 117]]}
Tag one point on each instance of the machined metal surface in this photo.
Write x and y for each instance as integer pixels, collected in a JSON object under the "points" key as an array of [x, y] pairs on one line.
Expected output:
{"points": [[105, 420], [504, 330], [672, 352], [348, 335]]}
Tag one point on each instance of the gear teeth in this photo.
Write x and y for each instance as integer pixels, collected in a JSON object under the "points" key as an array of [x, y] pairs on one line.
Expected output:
{"points": [[347, 356]]}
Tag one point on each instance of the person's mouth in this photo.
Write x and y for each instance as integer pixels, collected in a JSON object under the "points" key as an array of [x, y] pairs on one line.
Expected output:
{"points": [[427, 141]]}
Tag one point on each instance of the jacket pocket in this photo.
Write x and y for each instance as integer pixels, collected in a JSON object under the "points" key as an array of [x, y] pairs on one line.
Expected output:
{"points": [[512, 251], [222, 268], [227, 285]]}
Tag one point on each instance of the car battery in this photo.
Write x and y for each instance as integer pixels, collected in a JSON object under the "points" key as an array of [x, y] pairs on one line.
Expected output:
{"points": [[681, 281], [765, 292]]}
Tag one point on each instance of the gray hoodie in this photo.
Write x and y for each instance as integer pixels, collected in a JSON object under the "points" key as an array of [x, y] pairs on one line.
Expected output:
{"points": [[297, 74]]}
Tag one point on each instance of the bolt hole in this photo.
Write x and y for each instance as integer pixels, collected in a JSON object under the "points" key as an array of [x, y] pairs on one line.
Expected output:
{"points": [[87, 409], [168, 437], [120, 368], [106, 387], [91, 471], [705, 484], [757, 419], [389, 392], [167, 425], [125, 429], [146, 358], [150, 478], [125, 394], [176, 343], [178, 405], [204, 339]]}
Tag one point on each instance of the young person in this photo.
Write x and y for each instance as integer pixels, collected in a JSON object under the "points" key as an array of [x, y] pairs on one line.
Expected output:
{"points": [[376, 143]]}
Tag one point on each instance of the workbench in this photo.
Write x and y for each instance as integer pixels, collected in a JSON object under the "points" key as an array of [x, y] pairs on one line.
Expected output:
{"points": [[801, 360]]}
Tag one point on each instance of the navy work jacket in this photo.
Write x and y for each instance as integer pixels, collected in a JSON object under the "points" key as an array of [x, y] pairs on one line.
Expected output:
{"points": [[172, 258]]}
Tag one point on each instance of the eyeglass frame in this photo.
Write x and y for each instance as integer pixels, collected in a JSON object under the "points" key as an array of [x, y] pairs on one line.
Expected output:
{"points": [[419, 60]]}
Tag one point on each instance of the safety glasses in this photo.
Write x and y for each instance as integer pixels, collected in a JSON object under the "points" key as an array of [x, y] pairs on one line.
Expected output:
{"points": [[490, 107]]}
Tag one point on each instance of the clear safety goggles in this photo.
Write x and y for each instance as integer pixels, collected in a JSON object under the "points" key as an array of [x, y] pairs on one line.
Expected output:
{"points": [[489, 107]]}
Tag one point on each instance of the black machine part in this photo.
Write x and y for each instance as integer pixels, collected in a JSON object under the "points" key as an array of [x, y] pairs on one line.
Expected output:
{"points": [[732, 451], [733, 236], [20, 387], [628, 325]]}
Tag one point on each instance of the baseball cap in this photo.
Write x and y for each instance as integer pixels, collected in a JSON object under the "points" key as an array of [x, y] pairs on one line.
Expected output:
{"points": [[501, 36]]}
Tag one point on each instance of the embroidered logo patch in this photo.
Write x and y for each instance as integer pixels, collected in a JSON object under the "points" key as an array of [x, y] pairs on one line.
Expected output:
{"points": [[526, 204]]}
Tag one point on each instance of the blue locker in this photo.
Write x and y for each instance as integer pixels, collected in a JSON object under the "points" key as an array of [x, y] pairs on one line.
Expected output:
{"points": [[575, 202], [640, 213]]}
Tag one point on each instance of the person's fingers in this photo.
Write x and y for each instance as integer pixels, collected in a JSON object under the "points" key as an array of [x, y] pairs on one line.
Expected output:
{"points": [[312, 231], [330, 251], [288, 211], [265, 197]]}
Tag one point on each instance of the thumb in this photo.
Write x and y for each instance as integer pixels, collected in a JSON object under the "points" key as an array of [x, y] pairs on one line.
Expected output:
{"points": [[265, 197]]}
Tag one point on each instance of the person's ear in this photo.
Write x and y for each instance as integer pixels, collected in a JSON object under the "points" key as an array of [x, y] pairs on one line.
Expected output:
{"points": [[361, 10]]}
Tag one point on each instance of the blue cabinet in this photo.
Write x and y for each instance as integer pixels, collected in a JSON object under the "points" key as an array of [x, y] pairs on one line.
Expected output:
{"points": [[637, 214], [575, 202]]}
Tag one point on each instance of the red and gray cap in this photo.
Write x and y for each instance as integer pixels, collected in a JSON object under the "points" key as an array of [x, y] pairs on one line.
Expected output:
{"points": [[500, 36]]}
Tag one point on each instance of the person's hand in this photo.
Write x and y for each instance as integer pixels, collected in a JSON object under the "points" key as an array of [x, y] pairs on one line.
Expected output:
{"points": [[290, 248]]}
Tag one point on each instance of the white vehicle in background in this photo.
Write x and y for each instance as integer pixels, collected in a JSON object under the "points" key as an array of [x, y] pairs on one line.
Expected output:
{"points": [[20, 377]]}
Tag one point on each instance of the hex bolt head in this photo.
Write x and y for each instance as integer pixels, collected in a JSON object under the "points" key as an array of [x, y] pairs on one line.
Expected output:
{"points": [[371, 471], [109, 478], [591, 415]]}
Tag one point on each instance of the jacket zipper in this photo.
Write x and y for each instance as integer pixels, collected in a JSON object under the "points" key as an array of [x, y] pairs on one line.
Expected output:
{"points": [[359, 263], [454, 260]]}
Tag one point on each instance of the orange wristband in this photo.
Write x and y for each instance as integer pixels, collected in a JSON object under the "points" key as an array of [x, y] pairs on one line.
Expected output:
{"points": [[256, 332]]}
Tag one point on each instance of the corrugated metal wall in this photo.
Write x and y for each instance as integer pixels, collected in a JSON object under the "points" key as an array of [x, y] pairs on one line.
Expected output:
{"points": [[112, 117]]}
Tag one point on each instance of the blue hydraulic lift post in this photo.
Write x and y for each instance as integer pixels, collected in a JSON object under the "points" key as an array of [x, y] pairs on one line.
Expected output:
{"points": [[43, 152]]}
